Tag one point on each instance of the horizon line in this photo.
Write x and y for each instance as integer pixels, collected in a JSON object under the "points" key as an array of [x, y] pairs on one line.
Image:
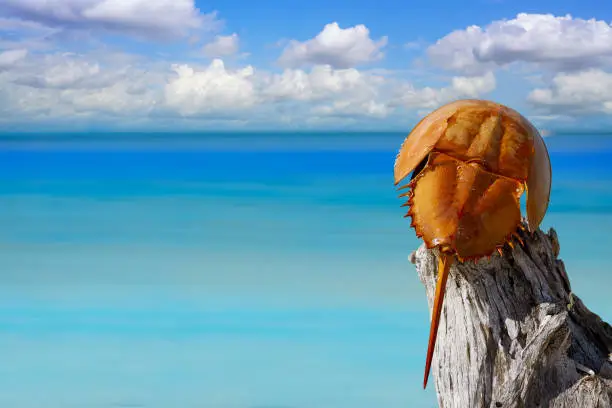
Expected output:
{"points": [[56, 132]]}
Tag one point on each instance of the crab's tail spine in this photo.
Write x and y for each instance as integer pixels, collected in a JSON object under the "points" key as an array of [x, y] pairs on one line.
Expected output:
{"points": [[444, 264]]}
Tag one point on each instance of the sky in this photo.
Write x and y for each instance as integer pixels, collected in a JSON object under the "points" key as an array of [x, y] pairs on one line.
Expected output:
{"points": [[83, 65]]}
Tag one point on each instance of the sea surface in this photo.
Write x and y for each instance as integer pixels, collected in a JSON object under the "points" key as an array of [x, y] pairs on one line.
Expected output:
{"points": [[236, 270]]}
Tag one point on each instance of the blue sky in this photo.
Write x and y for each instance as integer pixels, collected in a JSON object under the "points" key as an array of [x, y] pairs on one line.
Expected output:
{"points": [[185, 65]]}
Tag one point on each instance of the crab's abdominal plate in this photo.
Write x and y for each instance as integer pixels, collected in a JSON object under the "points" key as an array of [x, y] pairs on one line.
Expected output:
{"points": [[464, 207]]}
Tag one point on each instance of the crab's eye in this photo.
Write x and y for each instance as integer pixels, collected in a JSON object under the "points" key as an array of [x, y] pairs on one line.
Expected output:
{"points": [[419, 168]]}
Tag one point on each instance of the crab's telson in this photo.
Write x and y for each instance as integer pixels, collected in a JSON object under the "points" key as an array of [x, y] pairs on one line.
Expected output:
{"points": [[471, 161]]}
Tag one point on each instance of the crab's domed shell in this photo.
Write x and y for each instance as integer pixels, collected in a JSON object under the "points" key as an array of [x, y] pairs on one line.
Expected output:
{"points": [[496, 136]]}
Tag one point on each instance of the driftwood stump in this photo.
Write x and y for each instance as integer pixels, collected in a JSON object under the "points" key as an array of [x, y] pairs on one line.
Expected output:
{"points": [[512, 334]]}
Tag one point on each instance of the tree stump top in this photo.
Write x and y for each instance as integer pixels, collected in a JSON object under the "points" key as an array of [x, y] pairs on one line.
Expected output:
{"points": [[512, 333]]}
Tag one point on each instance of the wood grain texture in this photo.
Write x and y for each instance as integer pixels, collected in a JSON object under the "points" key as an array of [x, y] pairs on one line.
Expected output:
{"points": [[513, 335]]}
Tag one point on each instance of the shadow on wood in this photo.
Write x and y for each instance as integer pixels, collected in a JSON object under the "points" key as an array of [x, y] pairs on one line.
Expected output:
{"points": [[513, 335]]}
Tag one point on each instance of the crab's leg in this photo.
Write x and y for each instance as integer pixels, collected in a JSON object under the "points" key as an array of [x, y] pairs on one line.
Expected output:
{"points": [[444, 265]]}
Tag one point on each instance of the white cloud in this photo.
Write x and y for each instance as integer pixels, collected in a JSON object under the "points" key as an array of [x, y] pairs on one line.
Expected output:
{"points": [[222, 46], [335, 46], [560, 43], [213, 90], [351, 109], [431, 98], [11, 57], [472, 87], [20, 25], [353, 93], [335, 92], [121, 98], [321, 82], [69, 74], [91, 86], [585, 92], [68, 85], [20, 34], [63, 72], [151, 18]]}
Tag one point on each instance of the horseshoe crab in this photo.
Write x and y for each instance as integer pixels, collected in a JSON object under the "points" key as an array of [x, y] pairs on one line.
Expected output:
{"points": [[471, 160]]}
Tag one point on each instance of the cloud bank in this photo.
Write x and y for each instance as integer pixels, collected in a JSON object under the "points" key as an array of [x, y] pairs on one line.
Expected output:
{"points": [[60, 64]]}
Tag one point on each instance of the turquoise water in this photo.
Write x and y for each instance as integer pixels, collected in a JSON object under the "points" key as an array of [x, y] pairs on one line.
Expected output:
{"points": [[236, 270]]}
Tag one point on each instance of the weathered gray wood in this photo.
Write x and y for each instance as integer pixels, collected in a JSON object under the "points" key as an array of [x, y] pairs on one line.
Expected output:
{"points": [[513, 335]]}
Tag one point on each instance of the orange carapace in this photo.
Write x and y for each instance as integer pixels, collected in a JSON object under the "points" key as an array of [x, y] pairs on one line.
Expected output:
{"points": [[470, 161]]}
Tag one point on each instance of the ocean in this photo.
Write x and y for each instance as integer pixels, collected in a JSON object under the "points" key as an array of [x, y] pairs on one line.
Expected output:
{"points": [[236, 270]]}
